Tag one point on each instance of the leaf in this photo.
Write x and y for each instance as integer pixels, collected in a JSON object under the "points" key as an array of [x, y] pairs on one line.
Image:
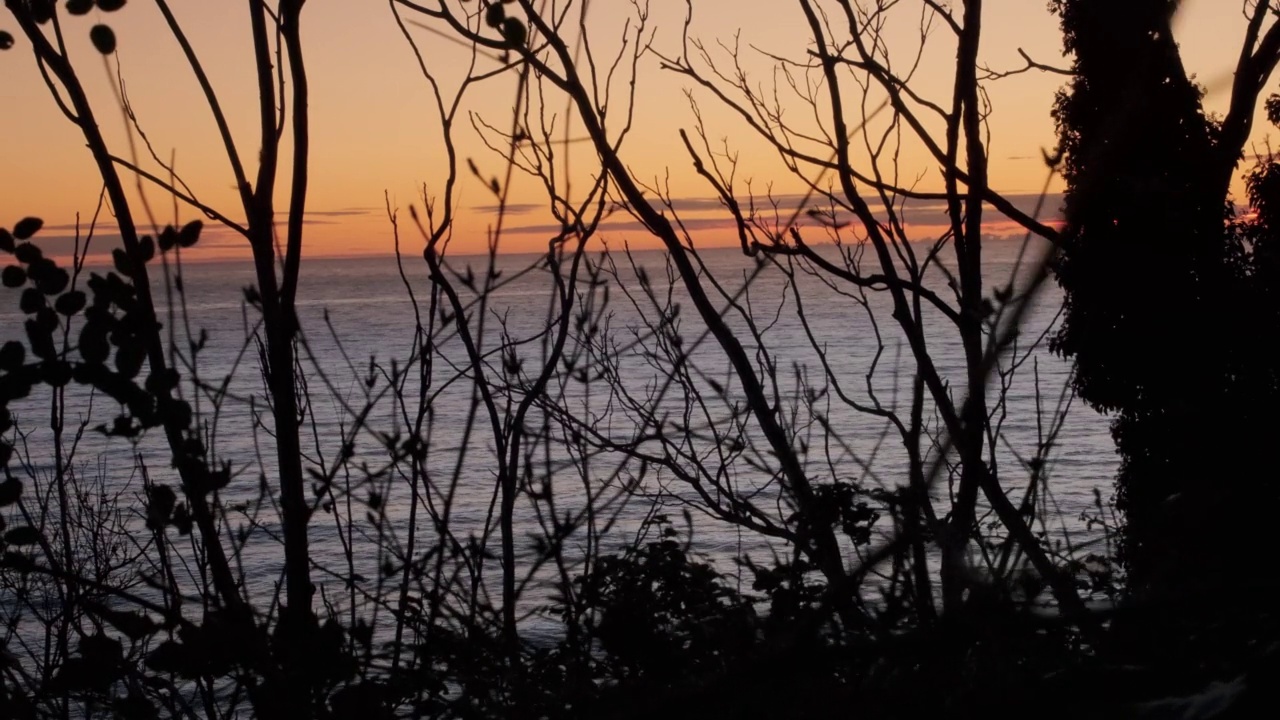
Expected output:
{"points": [[70, 303], [494, 15], [93, 344], [41, 339], [129, 359], [102, 650], [122, 263], [27, 227], [159, 383], [172, 657], [134, 706], [12, 355], [41, 10], [31, 301], [190, 233], [182, 520], [103, 38], [27, 253], [55, 373], [52, 279], [167, 238], [79, 7], [17, 385], [514, 32], [6, 40], [134, 625], [47, 318], [161, 500], [6, 238], [78, 674], [25, 535], [10, 491], [110, 5], [13, 276]]}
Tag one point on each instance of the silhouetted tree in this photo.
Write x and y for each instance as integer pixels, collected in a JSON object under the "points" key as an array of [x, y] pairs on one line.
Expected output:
{"points": [[1162, 313]]}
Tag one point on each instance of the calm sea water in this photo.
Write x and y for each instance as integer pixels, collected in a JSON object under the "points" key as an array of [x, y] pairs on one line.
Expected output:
{"points": [[355, 310]]}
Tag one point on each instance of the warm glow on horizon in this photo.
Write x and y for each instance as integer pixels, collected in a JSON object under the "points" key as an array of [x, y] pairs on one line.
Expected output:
{"points": [[376, 136]]}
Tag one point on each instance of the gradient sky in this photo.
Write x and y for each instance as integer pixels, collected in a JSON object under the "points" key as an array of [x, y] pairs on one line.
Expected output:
{"points": [[374, 129]]}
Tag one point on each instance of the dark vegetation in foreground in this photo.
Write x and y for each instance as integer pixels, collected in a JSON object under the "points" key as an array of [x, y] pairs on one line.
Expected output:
{"points": [[942, 591]]}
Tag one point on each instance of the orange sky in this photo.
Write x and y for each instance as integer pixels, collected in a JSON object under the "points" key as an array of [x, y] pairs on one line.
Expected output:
{"points": [[374, 129]]}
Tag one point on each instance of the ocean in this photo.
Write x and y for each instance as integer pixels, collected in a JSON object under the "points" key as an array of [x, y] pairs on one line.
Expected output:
{"points": [[837, 360]]}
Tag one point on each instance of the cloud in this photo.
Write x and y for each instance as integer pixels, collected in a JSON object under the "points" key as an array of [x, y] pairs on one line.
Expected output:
{"points": [[1025, 202], [344, 212], [624, 226], [708, 213], [511, 208], [716, 204], [72, 227], [63, 244], [310, 217]]}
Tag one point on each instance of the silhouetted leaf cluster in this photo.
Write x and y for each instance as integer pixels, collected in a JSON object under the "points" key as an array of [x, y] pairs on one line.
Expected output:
{"points": [[42, 11], [512, 29]]}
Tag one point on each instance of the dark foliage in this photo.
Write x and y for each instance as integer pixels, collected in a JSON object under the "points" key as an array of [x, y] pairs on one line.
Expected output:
{"points": [[1170, 308]]}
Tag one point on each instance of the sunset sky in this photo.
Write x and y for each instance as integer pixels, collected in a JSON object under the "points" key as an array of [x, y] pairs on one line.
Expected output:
{"points": [[374, 129]]}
